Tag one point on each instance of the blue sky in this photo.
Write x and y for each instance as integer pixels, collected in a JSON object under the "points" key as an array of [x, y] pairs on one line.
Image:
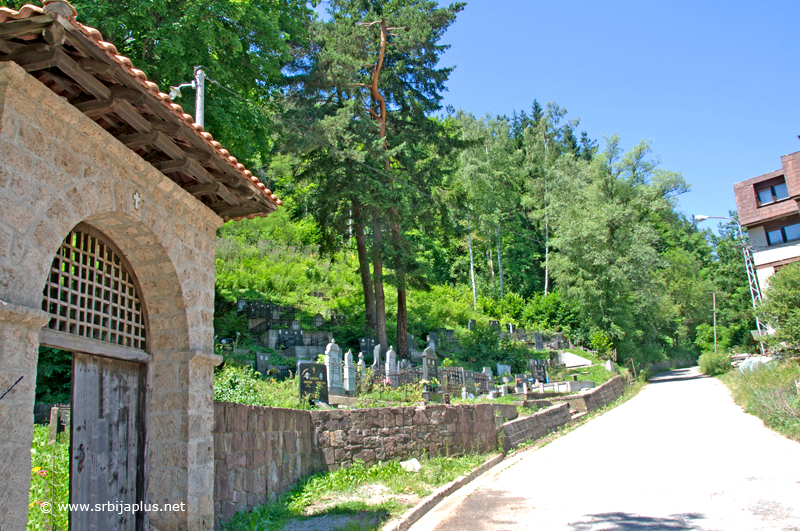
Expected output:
{"points": [[713, 85]]}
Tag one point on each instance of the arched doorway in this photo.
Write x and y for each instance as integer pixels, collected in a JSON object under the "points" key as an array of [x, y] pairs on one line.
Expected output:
{"points": [[96, 311]]}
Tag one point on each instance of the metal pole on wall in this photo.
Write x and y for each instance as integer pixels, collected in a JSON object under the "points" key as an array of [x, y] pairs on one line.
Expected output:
{"points": [[200, 97]]}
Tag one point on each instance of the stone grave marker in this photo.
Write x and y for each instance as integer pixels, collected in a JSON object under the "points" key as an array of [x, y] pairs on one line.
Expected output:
{"points": [[510, 328], [313, 381], [494, 325], [376, 357], [361, 366], [318, 320], [539, 370], [262, 362], [433, 341], [367, 344], [333, 363], [349, 374], [295, 326], [430, 364], [471, 324], [391, 367], [538, 341], [502, 369]]}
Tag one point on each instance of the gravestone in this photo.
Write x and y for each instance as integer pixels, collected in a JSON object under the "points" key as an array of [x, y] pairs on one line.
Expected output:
{"points": [[367, 344], [262, 362], [333, 363], [471, 324], [296, 326], [502, 369], [313, 381], [391, 367], [488, 372], [318, 321], [555, 358], [538, 341], [430, 365], [361, 366], [349, 374], [494, 325], [376, 357], [539, 370], [433, 341], [510, 328]]}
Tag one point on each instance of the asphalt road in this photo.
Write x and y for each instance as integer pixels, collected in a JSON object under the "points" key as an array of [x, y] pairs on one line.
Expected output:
{"points": [[680, 455]]}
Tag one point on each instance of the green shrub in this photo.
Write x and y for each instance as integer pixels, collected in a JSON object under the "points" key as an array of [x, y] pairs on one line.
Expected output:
{"points": [[243, 385], [713, 364]]}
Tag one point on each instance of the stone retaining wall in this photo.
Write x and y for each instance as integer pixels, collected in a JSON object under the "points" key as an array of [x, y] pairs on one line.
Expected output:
{"points": [[534, 427], [596, 398], [382, 434], [259, 453]]}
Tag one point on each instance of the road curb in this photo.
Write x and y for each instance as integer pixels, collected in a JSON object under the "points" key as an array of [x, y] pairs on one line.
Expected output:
{"points": [[430, 501]]}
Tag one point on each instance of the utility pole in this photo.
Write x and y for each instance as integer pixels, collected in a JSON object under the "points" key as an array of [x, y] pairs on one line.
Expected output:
{"points": [[199, 84], [714, 295]]}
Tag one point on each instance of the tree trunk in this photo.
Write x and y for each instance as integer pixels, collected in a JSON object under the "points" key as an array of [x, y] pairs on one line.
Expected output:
{"points": [[499, 261], [363, 267], [402, 310], [377, 267], [472, 268], [491, 266]]}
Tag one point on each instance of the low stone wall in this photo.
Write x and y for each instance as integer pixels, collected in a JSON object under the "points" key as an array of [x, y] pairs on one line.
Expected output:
{"points": [[596, 398], [534, 427], [259, 453], [382, 434]]}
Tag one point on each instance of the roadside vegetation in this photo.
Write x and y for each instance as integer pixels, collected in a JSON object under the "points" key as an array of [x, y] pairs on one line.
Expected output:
{"points": [[370, 495], [770, 393]]}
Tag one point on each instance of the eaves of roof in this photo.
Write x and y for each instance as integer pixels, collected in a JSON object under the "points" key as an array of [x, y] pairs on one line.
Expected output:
{"points": [[105, 85]]}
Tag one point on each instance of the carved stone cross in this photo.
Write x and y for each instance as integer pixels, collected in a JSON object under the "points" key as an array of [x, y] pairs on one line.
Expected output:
{"points": [[137, 199]]}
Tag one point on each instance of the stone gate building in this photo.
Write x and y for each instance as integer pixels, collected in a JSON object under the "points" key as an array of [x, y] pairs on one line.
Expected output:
{"points": [[110, 198]]}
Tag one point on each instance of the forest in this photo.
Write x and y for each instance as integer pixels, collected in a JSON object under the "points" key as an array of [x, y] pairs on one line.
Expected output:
{"points": [[408, 216]]}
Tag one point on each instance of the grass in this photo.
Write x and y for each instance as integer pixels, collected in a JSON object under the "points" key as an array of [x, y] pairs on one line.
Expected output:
{"points": [[340, 492], [771, 395], [49, 479]]}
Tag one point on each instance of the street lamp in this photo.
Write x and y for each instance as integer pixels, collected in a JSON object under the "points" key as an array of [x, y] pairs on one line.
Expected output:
{"points": [[752, 279], [198, 83]]}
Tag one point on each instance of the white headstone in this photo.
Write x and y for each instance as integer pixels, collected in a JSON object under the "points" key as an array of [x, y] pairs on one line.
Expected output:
{"points": [[429, 364], [361, 366], [333, 363], [464, 394], [376, 357], [349, 374]]}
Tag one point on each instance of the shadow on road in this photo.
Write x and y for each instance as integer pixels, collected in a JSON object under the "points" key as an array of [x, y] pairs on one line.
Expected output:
{"points": [[678, 375], [619, 521]]}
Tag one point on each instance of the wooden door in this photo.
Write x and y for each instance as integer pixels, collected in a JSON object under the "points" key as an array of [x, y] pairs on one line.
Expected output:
{"points": [[108, 442]]}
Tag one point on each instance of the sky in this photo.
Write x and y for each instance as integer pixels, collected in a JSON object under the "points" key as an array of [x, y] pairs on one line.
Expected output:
{"points": [[713, 85]]}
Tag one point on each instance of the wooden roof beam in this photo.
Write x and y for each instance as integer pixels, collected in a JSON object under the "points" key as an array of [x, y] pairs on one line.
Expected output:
{"points": [[20, 28]]}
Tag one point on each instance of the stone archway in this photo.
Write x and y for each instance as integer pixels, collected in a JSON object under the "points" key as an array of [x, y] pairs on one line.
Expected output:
{"points": [[58, 169]]}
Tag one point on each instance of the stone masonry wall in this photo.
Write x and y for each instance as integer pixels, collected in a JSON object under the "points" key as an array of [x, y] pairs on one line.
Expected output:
{"points": [[605, 394], [534, 427], [382, 434], [259, 453], [596, 398]]}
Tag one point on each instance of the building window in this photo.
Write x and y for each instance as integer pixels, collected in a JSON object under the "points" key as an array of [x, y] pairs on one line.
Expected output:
{"points": [[774, 192], [784, 234]]}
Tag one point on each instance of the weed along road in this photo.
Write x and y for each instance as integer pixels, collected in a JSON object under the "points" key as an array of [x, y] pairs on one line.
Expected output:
{"points": [[680, 455]]}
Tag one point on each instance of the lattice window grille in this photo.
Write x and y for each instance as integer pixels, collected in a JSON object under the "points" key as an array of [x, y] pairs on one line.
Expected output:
{"points": [[90, 293]]}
